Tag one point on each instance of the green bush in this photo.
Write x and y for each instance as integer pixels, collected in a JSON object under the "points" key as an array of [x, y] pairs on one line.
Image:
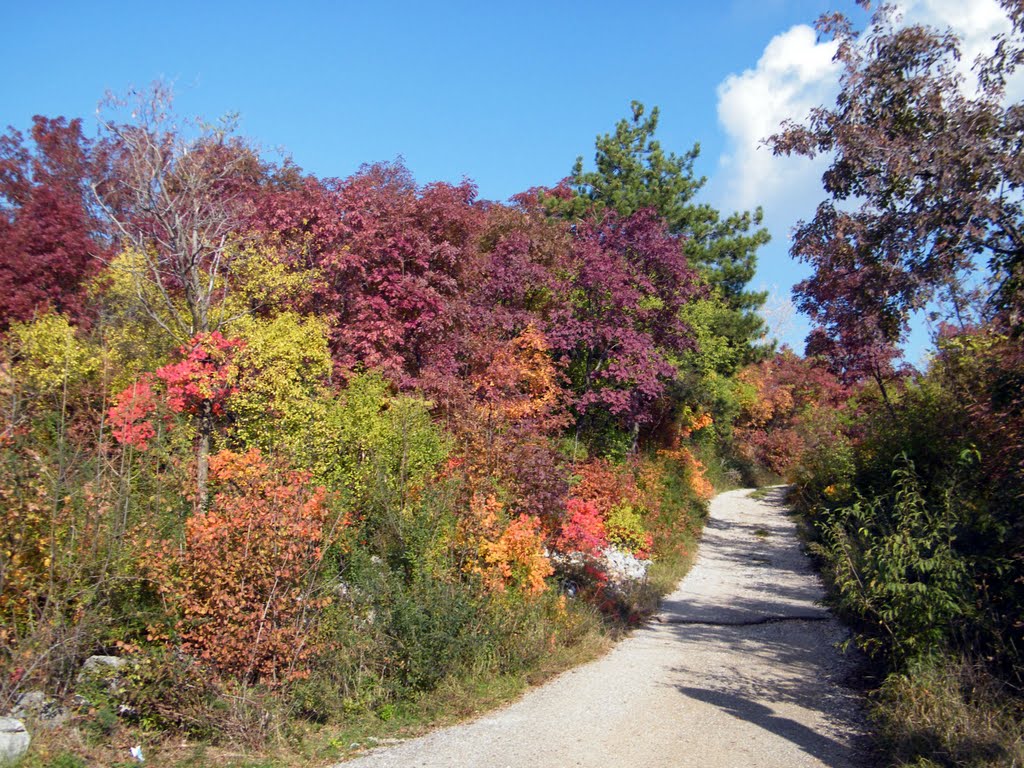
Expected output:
{"points": [[894, 567], [827, 466], [168, 691], [626, 529]]}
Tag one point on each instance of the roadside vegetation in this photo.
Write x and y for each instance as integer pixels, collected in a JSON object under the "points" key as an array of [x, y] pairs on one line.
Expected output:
{"points": [[293, 465], [289, 464], [912, 482]]}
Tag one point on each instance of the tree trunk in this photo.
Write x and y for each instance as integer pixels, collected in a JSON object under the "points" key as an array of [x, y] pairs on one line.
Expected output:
{"points": [[203, 457], [877, 376]]}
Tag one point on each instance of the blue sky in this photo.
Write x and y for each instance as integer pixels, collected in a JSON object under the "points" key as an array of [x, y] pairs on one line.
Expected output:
{"points": [[507, 94]]}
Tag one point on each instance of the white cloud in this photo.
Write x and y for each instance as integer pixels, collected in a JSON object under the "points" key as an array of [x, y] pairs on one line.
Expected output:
{"points": [[975, 22], [794, 74]]}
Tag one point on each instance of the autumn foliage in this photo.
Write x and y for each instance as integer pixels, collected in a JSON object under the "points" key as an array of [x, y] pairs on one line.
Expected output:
{"points": [[245, 578], [583, 529], [131, 414], [781, 399], [198, 385], [50, 244], [205, 376], [607, 505], [313, 447], [504, 552], [324, 443]]}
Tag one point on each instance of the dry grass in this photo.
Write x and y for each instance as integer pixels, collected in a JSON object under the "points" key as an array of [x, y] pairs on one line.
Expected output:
{"points": [[950, 713]]}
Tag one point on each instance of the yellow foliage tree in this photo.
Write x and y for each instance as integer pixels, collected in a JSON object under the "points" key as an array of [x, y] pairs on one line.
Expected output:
{"points": [[50, 358]]}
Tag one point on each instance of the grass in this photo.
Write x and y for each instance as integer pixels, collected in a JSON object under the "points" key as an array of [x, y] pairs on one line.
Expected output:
{"points": [[949, 712], [454, 701], [302, 744], [666, 572]]}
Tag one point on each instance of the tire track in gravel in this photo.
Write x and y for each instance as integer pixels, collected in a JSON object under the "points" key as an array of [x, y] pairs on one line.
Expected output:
{"points": [[738, 669]]}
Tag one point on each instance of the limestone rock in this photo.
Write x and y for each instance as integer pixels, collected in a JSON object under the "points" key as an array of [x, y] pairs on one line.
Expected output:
{"points": [[101, 669], [103, 665], [14, 741]]}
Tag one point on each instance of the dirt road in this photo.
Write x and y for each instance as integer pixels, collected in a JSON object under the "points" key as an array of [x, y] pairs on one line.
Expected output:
{"points": [[737, 671]]}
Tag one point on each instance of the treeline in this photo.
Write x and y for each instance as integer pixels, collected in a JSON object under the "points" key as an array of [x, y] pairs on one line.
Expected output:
{"points": [[308, 448]]}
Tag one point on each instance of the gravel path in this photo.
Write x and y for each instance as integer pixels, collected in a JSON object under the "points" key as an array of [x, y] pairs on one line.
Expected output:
{"points": [[738, 670]]}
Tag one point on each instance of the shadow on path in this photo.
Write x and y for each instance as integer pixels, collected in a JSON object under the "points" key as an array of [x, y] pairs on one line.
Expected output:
{"points": [[829, 751]]}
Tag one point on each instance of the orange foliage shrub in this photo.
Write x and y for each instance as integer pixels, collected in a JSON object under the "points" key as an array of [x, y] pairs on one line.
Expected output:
{"points": [[504, 555], [245, 581], [693, 469], [784, 394], [607, 485], [697, 478], [694, 423], [666, 525], [521, 383], [651, 482], [131, 413], [511, 402]]}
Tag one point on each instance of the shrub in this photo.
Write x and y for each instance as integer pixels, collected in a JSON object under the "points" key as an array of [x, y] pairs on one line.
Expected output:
{"points": [[51, 359], [245, 580], [894, 566], [371, 441], [166, 690], [626, 530], [828, 464], [583, 529], [284, 366], [606, 485], [205, 377], [693, 470], [504, 554], [131, 412]]}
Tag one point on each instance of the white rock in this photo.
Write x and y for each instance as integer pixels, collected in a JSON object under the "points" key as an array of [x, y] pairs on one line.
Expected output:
{"points": [[103, 664], [623, 566], [102, 669], [14, 741]]}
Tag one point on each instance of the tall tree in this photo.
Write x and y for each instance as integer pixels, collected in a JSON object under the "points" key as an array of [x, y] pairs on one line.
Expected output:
{"points": [[924, 187], [178, 198], [630, 284], [633, 171], [389, 255]]}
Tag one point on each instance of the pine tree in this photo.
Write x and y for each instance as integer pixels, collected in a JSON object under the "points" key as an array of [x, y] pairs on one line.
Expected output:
{"points": [[634, 172]]}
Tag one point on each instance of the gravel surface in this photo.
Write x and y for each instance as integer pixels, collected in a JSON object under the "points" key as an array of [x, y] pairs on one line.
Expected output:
{"points": [[738, 670]]}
